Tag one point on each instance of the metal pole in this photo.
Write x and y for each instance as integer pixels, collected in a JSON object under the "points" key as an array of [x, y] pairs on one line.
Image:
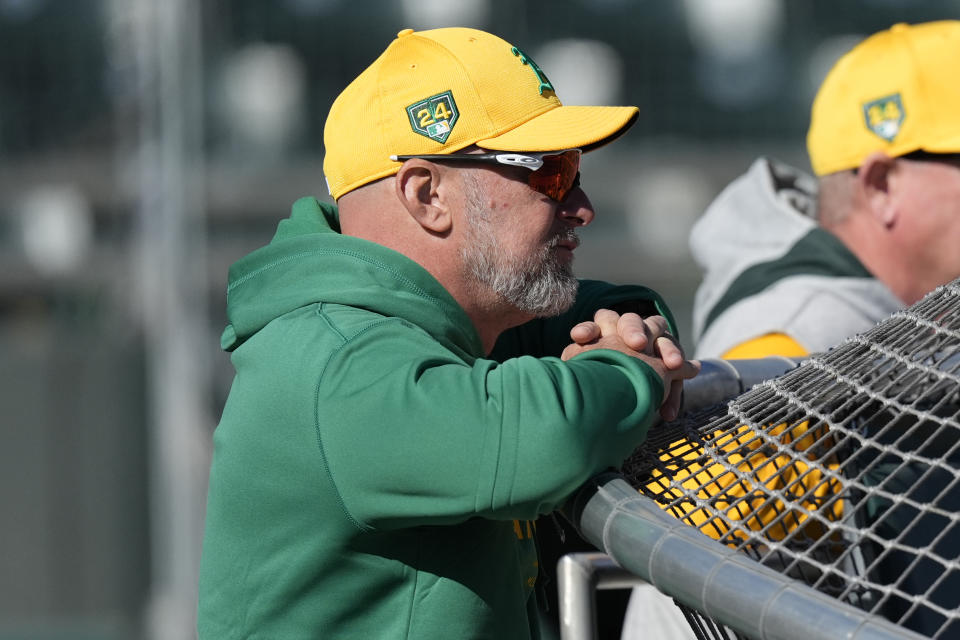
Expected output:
{"points": [[721, 380], [579, 575], [710, 577], [171, 257]]}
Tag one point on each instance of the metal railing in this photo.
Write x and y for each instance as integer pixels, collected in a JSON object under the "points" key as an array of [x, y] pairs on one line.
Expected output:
{"points": [[642, 541]]}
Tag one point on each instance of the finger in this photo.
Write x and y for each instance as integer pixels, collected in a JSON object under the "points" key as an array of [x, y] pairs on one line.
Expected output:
{"points": [[669, 351], [670, 408], [607, 321], [656, 326], [570, 351], [633, 331], [585, 332], [690, 369]]}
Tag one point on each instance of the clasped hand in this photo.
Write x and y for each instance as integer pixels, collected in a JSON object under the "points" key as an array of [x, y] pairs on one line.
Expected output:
{"points": [[647, 339]]}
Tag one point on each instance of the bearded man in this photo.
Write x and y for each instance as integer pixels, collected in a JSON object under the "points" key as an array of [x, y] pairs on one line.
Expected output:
{"points": [[408, 396]]}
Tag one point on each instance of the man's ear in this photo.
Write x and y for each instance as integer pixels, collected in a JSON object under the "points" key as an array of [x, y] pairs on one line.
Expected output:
{"points": [[418, 187], [875, 181]]}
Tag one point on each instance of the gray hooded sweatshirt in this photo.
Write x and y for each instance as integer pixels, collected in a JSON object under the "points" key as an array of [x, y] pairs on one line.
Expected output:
{"points": [[768, 268]]}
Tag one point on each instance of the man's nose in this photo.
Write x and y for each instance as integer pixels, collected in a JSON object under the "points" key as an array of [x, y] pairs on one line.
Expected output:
{"points": [[576, 209]]}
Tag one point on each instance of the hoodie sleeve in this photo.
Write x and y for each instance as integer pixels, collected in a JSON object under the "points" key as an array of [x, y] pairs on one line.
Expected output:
{"points": [[417, 436], [549, 336]]}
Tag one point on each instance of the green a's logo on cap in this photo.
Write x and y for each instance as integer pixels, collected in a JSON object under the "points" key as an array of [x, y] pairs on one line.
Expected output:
{"points": [[884, 116], [435, 116], [541, 76]]}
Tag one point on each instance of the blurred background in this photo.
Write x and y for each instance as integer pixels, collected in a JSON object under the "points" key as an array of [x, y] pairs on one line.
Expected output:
{"points": [[147, 144]]}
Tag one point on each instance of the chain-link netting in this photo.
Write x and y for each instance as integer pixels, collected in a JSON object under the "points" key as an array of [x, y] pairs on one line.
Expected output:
{"points": [[843, 473]]}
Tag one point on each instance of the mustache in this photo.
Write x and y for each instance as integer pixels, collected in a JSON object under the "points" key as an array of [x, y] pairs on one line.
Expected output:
{"points": [[567, 237]]}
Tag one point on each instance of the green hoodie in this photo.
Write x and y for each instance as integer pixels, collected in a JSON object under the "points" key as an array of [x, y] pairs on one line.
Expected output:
{"points": [[374, 472]]}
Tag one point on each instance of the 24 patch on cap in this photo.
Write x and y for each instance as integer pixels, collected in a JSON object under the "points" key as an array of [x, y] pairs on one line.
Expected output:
{"points": [[434, 117], [884, 116]]}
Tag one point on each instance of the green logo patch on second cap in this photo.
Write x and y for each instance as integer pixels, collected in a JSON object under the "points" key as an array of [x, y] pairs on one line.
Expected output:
{"points": [[434, 117], [884, 116]]}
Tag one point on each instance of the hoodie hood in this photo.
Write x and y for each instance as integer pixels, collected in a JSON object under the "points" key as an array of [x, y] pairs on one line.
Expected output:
{"points": [[309, 261], [756, 219]]}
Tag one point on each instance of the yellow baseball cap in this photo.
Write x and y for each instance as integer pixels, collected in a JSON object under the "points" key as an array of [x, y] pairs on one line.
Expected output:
{"points": [[896, 92], [441, 90]]}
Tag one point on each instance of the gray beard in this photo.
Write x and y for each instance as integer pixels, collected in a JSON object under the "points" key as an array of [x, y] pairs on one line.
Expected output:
{"points": [[539, 285]]}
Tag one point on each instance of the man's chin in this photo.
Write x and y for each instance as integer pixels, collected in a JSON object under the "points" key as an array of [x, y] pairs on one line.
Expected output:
{"points": [[561, 302]]}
